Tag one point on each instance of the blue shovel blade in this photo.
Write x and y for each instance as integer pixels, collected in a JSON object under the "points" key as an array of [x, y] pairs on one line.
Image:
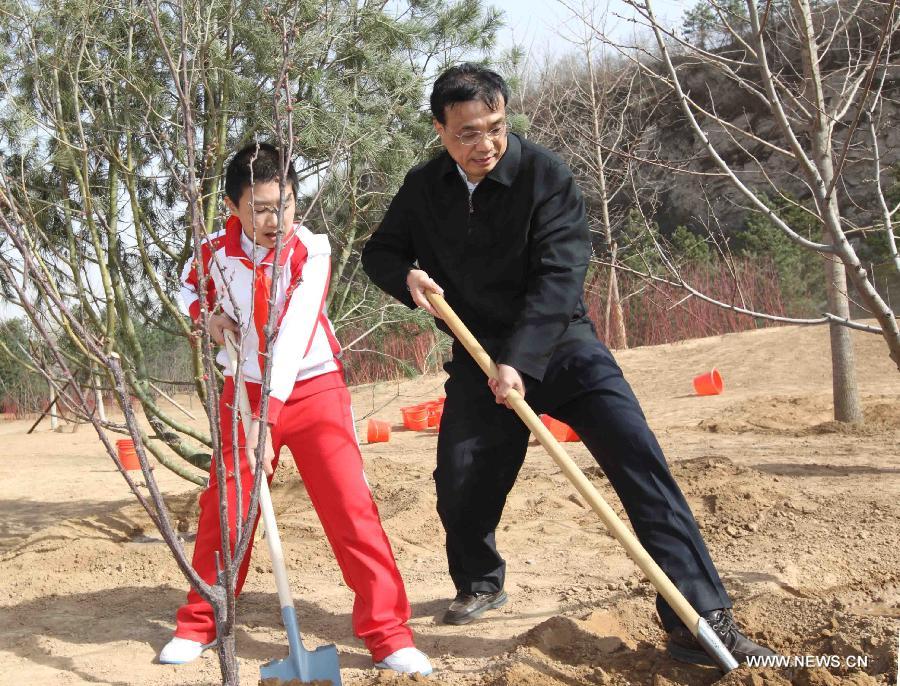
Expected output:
{"points": [[320, 664]]}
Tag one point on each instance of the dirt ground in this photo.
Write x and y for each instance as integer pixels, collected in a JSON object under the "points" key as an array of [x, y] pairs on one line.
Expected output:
{"points": [[801, 516]]}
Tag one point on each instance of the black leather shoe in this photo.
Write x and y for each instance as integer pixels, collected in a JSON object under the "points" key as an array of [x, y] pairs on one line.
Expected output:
{"points": [[684, 647], [468, 606]]}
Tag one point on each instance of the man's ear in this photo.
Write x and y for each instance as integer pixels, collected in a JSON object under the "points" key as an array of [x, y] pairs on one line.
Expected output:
{"points": [[438, 127], [230, 205]]}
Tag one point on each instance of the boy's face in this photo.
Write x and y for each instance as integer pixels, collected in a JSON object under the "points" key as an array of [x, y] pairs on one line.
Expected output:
{"points": [[258, 209], [473, 117]]}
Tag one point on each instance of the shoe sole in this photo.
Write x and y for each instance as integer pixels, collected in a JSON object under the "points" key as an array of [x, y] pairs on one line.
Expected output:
{"points": [[499, 602], [385, 668]]}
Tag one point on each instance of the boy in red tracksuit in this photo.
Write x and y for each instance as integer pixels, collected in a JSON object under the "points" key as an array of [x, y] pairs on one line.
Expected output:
{"points": [[309, 408]]}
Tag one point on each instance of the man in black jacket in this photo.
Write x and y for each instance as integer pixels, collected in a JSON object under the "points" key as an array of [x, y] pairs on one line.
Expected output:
{"points": [[498, 226]]}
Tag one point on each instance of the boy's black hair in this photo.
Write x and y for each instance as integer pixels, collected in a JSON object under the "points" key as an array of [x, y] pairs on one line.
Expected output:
{"points": [[466, 82], [266, 160]]}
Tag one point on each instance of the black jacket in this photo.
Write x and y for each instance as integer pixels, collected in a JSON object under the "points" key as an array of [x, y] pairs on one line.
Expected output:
{"points": [[512, 264]]}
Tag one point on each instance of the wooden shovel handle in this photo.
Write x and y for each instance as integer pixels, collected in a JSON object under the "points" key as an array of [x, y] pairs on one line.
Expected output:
{"points": [[616, 527], [266, 509]]}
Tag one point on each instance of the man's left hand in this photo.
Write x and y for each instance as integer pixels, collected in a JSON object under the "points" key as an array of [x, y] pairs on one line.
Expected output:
{"points": [[507, 379]]}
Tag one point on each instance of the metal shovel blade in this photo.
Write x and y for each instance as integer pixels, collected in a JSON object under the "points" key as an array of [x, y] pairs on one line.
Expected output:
{"points": [[320, 664], [714, 647]]}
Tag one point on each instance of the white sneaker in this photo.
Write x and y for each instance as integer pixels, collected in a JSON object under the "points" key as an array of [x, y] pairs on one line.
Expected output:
{"points": [[406, 661], [180, 651]]}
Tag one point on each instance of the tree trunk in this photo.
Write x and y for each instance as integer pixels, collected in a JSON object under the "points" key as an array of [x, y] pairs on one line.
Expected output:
{"points": [[615, 318], [847, 407], [225, 647], [336, 306]]}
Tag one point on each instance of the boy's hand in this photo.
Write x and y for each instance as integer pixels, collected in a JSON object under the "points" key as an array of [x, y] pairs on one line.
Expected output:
{"points": [[218, 323], [268, 453], [418, 282]]}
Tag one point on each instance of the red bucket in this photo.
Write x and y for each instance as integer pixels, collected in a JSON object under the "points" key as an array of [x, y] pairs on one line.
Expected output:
{"points": [[127, 454], [561, 431], [415, 417], [435, 410], [709, 384], [379, 431]]}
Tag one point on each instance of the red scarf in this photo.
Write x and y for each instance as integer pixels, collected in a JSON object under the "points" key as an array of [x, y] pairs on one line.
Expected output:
{"points": [[262, 278]]}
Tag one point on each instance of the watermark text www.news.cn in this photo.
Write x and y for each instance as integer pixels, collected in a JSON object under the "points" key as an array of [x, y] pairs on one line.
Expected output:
{"points": [[831, 662], [809, 661]]}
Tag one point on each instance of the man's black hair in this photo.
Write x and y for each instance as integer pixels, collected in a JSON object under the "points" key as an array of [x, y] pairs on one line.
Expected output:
{"points": [[266, 160], [466, 82]]}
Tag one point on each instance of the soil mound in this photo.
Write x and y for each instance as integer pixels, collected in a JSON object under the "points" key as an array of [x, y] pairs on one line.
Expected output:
{"points": [[803, 416], [579, 641]]}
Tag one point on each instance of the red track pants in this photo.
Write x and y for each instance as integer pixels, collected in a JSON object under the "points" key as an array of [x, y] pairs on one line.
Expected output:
{"points": [[316, 424]]}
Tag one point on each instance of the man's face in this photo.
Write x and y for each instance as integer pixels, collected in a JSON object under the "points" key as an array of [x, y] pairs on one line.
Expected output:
{"points": [[258, 208], [473, 116]]}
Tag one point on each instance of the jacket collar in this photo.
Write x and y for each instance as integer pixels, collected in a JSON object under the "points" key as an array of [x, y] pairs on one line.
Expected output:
{"points": [[506, 169]]}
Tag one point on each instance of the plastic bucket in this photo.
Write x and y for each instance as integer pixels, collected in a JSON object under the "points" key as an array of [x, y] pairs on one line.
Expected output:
{"points": [[415, 417], [379, 431], [127, 454], [709, 383], [435, 410], [561, 431]]}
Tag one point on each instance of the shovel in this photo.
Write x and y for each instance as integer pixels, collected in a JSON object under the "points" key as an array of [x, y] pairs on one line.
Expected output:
{"points": [[692, 620], [320, 664]]}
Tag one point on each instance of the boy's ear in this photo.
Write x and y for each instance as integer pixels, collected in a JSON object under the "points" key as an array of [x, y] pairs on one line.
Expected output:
{"points": [[230, 205]]}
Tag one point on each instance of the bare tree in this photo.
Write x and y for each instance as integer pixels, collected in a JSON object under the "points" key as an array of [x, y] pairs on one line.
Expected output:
{"points": [[824, 75], [20, 266]]}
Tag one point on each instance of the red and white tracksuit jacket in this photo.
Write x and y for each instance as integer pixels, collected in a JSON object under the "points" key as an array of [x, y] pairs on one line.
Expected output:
{"points": [[309, 412], [305, 346]]}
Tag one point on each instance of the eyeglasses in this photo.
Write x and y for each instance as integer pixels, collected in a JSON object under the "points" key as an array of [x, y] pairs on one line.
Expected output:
{"points": [[475, 137], [263, 210]]}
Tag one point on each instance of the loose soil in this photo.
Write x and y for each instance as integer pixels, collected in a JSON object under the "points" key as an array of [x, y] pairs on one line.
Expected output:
{"points": [[800, 513]]}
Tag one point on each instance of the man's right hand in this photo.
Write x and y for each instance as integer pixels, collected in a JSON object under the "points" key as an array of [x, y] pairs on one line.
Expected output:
{"points": [[218, 323], [418, 283]]}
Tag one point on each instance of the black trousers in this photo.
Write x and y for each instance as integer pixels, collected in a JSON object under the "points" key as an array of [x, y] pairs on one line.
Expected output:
{"points": [[481, 447]]}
